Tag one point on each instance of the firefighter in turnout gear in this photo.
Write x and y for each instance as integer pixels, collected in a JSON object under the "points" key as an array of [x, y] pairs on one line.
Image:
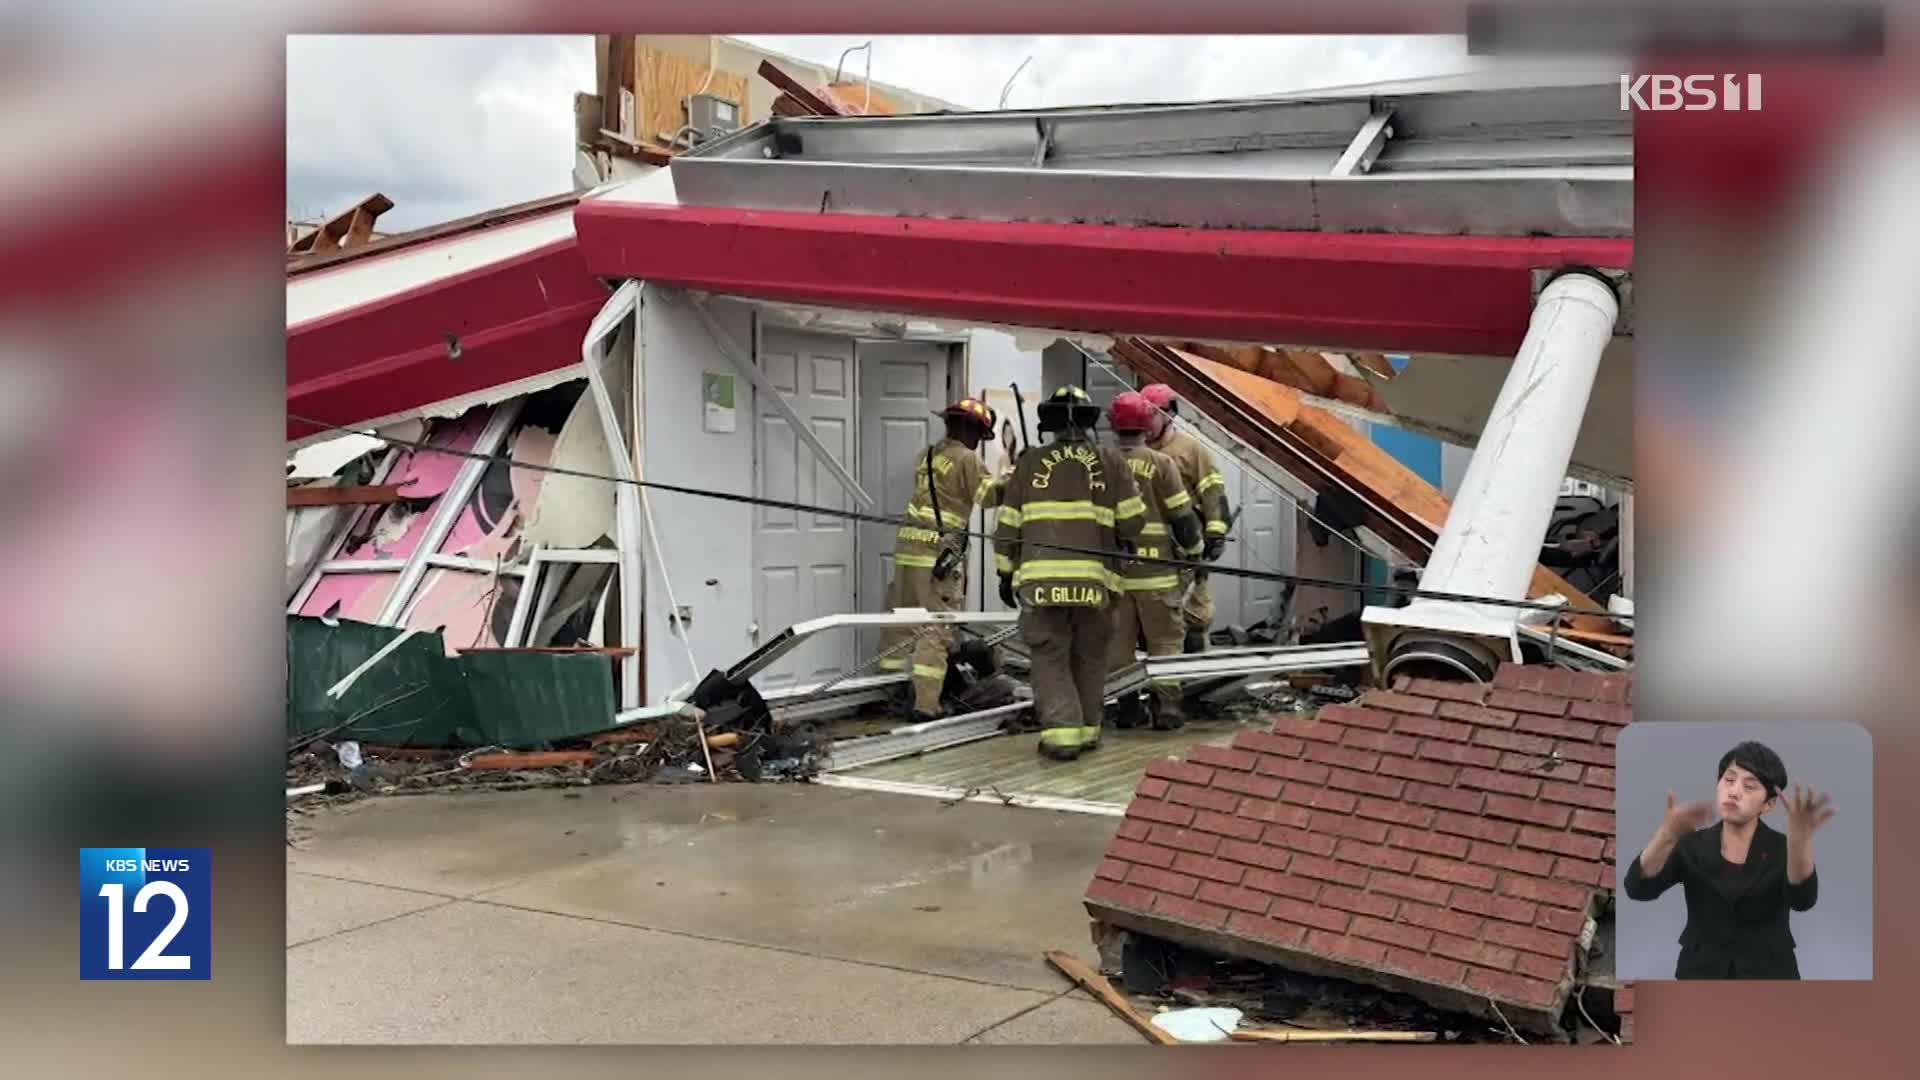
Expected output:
{"points": [[1204, 482], [1147, 609], [930, 548], [1075, 494]]}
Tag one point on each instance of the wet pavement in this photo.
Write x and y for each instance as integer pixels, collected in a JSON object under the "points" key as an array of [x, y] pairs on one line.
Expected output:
{"points": [[730, 913]]}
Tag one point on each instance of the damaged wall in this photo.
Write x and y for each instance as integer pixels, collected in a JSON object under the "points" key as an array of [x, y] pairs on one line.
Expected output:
{"points": [[476, 608], [700, 540]]}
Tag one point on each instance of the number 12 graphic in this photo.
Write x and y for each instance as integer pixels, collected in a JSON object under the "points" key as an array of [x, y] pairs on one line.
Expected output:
{"points": [[151, 905]]}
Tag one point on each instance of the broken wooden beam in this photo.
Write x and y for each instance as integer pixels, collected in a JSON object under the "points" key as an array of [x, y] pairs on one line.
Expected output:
{"points": [[1327, 455], [344, 495], [800, 93], [1097, 985], [543, 759]]}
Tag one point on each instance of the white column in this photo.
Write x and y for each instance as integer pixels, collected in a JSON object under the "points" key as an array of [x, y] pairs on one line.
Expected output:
{"points": [[1491, 541]]}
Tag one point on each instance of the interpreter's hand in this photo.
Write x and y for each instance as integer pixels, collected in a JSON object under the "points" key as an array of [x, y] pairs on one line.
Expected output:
{"points": [[1685, 817], [1006, 592], [1216, 547], [1807, 810]]}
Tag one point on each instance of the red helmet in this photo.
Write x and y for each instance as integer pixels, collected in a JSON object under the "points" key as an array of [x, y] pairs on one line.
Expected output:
{"points": [[1159, 395], [1130, 412], [971, 409]]}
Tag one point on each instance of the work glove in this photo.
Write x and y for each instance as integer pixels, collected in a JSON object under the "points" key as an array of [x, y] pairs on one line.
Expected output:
{"points": [[1006, 592], [1216, 547]]}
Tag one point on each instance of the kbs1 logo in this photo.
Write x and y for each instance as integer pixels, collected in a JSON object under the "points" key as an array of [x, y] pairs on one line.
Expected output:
{"points": [[146, 913], [1693, 93]]}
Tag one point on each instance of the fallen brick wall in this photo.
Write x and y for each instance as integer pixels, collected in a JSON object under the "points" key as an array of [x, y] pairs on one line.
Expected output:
{"points": [[1441, 839]]}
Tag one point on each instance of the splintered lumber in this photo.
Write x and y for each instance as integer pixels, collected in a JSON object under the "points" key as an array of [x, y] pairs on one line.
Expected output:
{"points": [[350, 495], [1328, 455], [799, 92], [545, 759], [1269, 1035], [1070, 966]]}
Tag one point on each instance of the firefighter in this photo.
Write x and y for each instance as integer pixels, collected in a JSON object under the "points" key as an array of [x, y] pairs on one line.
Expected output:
{"points": [[1208, 487], [1078, 495], [1148, 606], [930, 549]]}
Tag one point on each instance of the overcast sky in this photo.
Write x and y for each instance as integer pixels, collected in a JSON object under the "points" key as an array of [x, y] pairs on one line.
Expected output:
{"points": [[449, 126]]}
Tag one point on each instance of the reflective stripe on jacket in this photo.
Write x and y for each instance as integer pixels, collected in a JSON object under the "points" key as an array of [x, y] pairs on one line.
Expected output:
{"points": [[1201, 475], [1171, 529], [1070, 493], [960, 476]]}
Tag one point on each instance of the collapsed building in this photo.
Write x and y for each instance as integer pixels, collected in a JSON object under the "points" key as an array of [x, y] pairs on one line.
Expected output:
{"points": [[701, 372]]}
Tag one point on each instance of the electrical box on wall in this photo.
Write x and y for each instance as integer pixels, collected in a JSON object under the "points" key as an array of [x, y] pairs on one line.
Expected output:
{"points": [[710, 115]]}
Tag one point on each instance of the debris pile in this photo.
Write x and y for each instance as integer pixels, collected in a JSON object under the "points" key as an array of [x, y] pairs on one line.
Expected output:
{"points": [[725, 732], [1162, 977]]}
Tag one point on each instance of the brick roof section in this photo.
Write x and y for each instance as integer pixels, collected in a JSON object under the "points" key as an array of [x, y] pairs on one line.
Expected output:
{"points": [[1442, 839]]}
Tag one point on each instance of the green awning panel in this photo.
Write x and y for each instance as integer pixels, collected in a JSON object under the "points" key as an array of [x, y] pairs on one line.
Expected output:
{"points": [[418, 696]]}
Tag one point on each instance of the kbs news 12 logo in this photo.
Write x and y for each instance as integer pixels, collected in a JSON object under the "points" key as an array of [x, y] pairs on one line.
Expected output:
{"points": [[146, 913], [1692, 93]]}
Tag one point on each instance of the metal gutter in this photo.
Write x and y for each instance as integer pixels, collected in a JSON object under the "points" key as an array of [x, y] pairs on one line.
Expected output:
{"points": [[1438, 203], [789, 639], [921, 738]]}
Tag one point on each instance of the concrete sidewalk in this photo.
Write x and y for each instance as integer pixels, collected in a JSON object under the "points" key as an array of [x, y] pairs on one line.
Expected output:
{"points": [[728, 913]]}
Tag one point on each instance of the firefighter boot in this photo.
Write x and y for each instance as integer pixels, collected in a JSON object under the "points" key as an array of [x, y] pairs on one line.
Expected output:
{"points": [[1168, 714], [1196, 642]]}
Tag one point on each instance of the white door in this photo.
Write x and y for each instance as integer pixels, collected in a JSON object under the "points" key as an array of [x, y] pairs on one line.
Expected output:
{"points": [[902, 385], [1264, 546], [805, 561]]}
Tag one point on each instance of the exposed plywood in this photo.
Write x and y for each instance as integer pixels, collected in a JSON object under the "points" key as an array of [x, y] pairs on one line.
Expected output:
{"points": [[664, 80], [1366, 466], [853, 96]]}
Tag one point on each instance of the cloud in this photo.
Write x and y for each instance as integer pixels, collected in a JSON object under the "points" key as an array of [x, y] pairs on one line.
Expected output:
{"points": [[971, 71], [448, 126], [444, 126]]}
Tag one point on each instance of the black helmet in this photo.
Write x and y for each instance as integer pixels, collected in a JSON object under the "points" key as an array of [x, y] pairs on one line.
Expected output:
{"points": [[1067, 407]]}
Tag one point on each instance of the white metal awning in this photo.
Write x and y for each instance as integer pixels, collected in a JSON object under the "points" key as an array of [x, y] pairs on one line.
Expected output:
{"points": [[1541, 160]]}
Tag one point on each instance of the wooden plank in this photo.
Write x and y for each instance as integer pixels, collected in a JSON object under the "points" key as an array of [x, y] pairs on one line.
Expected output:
{"points": [[1070, 966], [664, 80], [1596, 637], [350, 495], [619, 73], [1320, 377], [1325, 452], [799, 92], [1271, 1035], [543, 759], [1373, 363]]}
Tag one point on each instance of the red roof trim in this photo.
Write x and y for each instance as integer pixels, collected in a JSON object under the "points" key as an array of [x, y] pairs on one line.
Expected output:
{"points": [[1457, 294]]}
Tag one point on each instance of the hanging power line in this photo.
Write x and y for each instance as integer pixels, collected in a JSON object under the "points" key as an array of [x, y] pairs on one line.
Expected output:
{"points": [[901, 520]]}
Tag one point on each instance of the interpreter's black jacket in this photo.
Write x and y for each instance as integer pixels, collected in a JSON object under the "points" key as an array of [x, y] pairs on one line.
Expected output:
{"points": [[1736, 914]]}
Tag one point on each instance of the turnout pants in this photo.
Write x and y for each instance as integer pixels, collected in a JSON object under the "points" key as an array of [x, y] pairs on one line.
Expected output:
{"points": [[914, 586], [1069, 647], [1151, 617]]}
